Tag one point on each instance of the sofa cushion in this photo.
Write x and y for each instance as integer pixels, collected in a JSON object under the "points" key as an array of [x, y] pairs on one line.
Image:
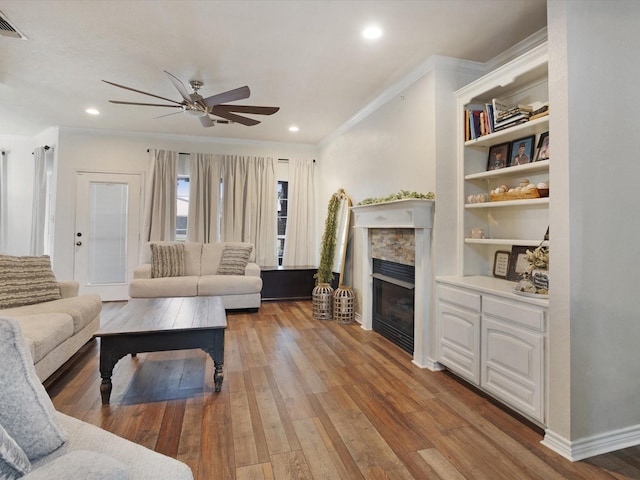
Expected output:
{"points": [[211, 255], [164, 287], [45, 331], [143, 463], [167, 260], [215, 285], [13, 461], [192, 253], [82, 309], [31, 281], [27, 413], [83, 464], [234, 259]]}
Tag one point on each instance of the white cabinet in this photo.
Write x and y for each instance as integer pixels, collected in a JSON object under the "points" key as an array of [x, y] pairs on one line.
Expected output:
{"points": [[496, 342], [459, 331], [512, 354]]}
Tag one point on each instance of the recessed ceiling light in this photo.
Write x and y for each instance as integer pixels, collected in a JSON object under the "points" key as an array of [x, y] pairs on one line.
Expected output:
{"points": [[92, 111], [293, 128], [372, 32]]}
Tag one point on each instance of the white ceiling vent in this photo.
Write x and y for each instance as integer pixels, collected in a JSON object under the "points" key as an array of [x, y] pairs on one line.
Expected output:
{"points": [[9, 30]]}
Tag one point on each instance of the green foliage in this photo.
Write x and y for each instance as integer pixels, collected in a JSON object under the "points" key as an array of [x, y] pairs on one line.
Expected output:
{"points": [[328, 246], [401, 195]]}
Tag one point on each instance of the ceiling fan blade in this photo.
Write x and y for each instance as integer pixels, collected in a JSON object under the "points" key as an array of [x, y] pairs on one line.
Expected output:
{"points": [[206, 121], [140, 91], [179, 86], [168, 114], [248, 109], [145, 104], [228, 96], [233, 117]]}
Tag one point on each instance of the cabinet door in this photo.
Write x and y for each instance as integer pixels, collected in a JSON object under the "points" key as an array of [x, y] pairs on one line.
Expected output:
{"points": [[513, 366], [459, 340]]}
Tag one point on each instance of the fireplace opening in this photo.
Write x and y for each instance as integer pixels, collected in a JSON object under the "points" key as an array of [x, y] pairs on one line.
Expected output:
{"points": [[394, 302]]}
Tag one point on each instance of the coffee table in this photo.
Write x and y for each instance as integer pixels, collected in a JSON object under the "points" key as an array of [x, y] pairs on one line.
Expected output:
{"points": [[162, 324]]}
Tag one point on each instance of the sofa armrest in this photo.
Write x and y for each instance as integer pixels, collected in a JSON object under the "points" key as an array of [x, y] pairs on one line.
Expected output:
{"points": [[252, 270], [69, 288], [142, 271]]}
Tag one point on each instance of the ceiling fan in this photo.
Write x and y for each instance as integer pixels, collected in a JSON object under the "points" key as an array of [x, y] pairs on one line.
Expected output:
{"points": [[195, 104]]}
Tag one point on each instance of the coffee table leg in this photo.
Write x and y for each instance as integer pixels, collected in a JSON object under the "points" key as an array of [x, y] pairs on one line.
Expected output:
{"points": [[218, 376], [216, 352], [105, 389]]}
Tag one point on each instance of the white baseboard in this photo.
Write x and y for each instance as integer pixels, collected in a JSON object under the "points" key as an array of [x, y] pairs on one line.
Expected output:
{"points": [[430, 364], [594, 445]]}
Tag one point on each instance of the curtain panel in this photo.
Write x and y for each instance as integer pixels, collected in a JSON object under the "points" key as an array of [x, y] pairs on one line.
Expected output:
{"points": [[249, 207], [3, 201], [299, 245], [204, 195], [160, 204], [39, 205]]}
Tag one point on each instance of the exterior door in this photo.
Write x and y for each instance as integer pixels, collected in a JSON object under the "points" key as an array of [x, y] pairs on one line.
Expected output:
{"points": [[107, 232]]}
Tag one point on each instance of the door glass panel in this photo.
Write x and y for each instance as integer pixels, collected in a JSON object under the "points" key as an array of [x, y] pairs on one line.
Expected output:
{"points": [[107, 233]]}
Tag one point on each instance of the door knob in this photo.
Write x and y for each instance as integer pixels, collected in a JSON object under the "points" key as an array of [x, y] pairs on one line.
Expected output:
{"points": [[78, 243]]}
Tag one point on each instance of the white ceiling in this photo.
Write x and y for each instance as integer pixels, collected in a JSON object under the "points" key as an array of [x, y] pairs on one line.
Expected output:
{"points": [[305, 56]]}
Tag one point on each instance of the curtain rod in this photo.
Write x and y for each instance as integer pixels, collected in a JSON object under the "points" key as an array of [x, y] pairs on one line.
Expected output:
{"points": [[179, 153], [283, 160], [46, 147]]}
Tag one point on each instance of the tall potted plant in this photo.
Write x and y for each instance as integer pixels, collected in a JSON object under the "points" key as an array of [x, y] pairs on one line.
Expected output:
{"points": [[322, 295]]}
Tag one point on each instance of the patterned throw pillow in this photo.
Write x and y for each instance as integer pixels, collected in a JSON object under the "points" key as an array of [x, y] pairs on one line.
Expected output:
{"points": [[167, 260], [31, 280], [234, 259], [13, 461]]}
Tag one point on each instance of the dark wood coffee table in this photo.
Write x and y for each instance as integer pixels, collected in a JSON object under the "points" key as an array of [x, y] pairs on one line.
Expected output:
{"points": [[162, 324]]}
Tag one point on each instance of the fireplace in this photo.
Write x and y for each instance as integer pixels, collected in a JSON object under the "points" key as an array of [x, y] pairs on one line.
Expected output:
{"points": [[417, 216], [393, 302]]}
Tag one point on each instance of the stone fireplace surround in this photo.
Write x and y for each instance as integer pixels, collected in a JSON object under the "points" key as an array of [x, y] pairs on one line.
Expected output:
{"points": [[383, 230]]}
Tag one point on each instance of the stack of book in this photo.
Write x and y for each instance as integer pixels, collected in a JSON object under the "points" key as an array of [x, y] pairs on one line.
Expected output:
{"points": [[508, 116]]}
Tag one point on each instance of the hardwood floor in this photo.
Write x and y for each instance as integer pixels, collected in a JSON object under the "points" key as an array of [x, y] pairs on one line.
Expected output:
{"points": [[307, 399]]}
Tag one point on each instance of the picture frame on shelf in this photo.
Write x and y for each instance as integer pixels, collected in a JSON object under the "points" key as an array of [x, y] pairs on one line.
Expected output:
{"points": [[517, 262], [522, 151], [498, 156], [543, 147], [501, 264]]}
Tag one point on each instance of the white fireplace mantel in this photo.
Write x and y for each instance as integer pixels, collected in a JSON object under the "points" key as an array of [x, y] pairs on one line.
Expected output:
{"points": [[416, 214], [407, 213]]}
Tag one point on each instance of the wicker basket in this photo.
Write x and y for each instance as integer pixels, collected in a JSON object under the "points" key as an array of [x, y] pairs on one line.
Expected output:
{"points": [[322, 302], [528, 194], [343, 305]]}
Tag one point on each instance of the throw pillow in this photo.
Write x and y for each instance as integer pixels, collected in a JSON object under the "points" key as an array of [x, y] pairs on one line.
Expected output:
{"points": [[13, 461], [31, 281], [234, 259], [167, 260], [27, 413], [83, 464]]}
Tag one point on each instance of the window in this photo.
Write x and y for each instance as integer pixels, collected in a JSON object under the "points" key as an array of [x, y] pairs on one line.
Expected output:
{"points": [[283, 190], [182, 206]]}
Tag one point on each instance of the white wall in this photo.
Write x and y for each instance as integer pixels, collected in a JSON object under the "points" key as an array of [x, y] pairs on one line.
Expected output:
{"points": [[594, 304], [95, 150]]}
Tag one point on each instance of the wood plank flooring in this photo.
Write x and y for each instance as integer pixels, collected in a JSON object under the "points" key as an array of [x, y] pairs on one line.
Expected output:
{"points": [[308, 399]]}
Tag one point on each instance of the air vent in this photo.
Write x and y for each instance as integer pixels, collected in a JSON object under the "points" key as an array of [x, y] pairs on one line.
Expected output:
{"points": [[8, 30]]}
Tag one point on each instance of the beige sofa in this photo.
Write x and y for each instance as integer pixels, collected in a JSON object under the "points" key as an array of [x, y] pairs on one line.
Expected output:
{"points": [[54, 330], [201, 277]]}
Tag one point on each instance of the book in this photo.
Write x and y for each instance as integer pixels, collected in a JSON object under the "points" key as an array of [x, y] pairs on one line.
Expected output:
{"points": [[512, 118]]}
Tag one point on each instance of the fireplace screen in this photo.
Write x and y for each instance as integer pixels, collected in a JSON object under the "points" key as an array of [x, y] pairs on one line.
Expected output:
{"points": [[393, 302]]}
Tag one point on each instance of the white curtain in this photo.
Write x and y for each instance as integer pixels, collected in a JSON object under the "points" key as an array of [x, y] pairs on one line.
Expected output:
{"points": [[3, 202], [249, 207], [39, 205], [204, 195], [160, 204], [300, 238]]}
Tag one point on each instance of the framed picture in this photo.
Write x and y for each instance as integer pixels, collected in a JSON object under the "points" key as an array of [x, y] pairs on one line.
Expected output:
{"points": [[543, 147], [517, 262], [498, 156], [522, 151], [501, 264]]}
